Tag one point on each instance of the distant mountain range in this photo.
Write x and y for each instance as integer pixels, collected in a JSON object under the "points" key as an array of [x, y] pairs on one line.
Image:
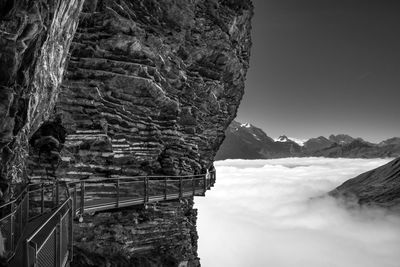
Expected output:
{"points": [[246, 141]]}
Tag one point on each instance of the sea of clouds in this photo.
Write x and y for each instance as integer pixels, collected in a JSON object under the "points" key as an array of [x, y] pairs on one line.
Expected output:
{"points": [[270, 213]]}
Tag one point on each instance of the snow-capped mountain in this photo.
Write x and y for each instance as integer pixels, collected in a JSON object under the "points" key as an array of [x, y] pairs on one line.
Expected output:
{"points": [[284, 138], [246, 141]]}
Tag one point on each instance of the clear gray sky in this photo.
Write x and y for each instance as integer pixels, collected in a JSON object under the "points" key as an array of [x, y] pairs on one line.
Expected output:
{"points": [[325, 66]]}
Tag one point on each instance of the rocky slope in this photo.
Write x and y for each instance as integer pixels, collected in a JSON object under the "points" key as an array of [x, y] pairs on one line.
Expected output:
{"points": [[150, 88], [378, 187]]}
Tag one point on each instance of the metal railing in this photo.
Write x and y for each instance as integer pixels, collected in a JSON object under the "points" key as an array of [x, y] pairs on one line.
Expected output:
{"points": [[59, 203], [93, 194], [32, 202], [51, 244]]}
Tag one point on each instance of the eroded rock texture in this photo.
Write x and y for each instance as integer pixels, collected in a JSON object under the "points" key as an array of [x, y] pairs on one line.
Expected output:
{"points": [[34, 42], [164, 234], [150, 88]]}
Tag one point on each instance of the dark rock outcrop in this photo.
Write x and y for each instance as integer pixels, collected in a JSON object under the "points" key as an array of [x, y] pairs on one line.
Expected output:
{"points": [[34, 42], [378, 187], [163, 234]]}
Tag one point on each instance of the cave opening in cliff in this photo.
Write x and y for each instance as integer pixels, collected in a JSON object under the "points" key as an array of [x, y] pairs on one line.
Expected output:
{"points": [[45, 146]]}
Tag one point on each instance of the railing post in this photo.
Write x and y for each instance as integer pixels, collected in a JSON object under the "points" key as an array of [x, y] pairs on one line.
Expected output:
{"points": [[204, 183], [12, 219], [193, 186], [58, 244], [71, 233], [26, 254], [165, 187], [82, 204], [146, 189], [180, 187], [118, 193], [21, 214], [74, 202], [53, 192], [27, 206], [42, 198], [57, 193]]}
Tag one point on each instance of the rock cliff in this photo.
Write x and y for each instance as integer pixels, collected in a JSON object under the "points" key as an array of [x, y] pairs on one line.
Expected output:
{"points": [[163, 234], [150, 88], [35, 37]]}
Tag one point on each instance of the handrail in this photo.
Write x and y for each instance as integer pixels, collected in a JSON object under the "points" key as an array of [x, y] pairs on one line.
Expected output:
{"points": [[15, 198], [25, 207], [39, 257], [137, 177], [49, 219], [152, 188], [89, 200]]}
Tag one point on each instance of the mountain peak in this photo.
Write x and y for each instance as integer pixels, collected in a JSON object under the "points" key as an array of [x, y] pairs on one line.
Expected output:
{"points": [[283, 138], [246, 125], [341, 138]]}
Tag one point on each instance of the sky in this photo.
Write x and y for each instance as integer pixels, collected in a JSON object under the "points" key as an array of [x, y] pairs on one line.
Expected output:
{"points": [[321, 67], [270, 213]]}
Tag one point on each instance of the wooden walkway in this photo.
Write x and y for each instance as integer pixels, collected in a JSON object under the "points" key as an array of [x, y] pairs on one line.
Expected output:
{"points": [[38, 226]]}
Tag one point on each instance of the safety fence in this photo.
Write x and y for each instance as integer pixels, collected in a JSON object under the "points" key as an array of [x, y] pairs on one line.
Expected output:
{"points": [[34, 201], [51, 244], [38, 223], [101, 194]]}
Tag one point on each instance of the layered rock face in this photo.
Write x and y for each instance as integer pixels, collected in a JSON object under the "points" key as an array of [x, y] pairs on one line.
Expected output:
{"points": [[150, 88], [34, 41], [163, 234]]}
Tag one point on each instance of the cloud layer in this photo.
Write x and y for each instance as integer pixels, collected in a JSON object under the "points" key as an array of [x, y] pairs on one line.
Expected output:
{"points": [[270, 213]]}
